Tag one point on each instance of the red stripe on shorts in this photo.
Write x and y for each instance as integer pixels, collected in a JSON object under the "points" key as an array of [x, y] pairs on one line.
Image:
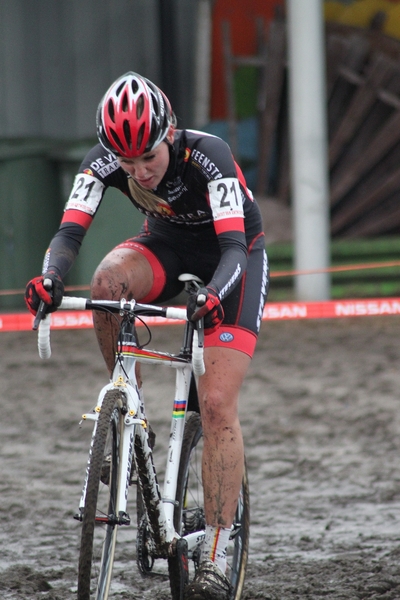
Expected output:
{"points": [[159, 277], [229, 336]]}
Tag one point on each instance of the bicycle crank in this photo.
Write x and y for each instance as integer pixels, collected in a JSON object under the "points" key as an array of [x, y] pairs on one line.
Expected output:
{"points": [[144, 559]]}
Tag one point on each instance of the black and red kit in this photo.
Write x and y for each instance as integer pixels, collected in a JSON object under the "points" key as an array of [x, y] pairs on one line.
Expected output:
{"points": [[201, 219]]}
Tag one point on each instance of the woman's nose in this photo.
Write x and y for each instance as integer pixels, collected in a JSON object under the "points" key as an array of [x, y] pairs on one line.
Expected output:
{"points": [[140, 170]]}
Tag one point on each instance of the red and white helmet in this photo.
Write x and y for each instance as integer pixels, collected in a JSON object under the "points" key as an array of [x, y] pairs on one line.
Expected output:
{"points": [[133, 117]]}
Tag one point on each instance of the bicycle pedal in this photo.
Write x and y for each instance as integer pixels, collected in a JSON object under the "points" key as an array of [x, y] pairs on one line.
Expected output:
{"points": [[236, 527]]}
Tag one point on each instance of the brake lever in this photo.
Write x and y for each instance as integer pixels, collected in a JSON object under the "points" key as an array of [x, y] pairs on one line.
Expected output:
{"points": [[41, 312], [200, 332]]}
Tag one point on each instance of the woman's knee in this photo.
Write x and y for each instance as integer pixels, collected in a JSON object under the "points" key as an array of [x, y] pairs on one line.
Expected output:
{"points": [[217, 408], [122, 274], [109, 281]]}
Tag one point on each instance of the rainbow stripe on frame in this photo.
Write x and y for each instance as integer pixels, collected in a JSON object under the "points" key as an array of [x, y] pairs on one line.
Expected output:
{"points": [[179, 409]]}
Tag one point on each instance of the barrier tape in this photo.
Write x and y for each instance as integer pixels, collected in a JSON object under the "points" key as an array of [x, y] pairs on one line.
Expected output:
{"points": [[338, 269], [273, 311], [273, 274]]}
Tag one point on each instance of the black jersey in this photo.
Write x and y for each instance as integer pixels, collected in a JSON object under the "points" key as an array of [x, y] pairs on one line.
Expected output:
{"points": [[202, 190]]}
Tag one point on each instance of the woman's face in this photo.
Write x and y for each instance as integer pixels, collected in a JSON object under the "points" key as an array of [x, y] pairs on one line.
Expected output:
{"points": [[149, 169]]}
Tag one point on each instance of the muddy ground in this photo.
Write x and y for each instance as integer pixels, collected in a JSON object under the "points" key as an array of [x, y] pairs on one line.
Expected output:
{"points": [[321, 421]]}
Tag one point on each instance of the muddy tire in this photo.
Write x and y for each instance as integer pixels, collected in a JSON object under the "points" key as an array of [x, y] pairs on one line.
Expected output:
{"points": [[189, 513], [98, 535]]}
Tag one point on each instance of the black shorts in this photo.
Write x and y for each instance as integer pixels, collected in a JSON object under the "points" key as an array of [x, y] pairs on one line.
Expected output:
{"points": [[172, 250]]}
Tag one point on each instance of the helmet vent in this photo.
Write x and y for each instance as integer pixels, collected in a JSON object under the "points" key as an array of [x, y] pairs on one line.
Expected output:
{"points": [[135, 86], [153, 132], [111, 113], [139, 106], [140, 136], [116, 139], [125, 102], [120, 88], [127, 133], [156, 106]]}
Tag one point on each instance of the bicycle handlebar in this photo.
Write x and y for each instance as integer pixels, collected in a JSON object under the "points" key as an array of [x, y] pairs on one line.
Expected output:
{"points": [[44, 337], [169, 312], [198, 355]]}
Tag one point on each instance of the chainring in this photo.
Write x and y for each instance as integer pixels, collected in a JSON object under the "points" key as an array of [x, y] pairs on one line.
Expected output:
{"points": [[144, 559]]}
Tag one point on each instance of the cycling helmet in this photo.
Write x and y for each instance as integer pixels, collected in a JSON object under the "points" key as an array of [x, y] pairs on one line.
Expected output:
{"points": [[133, 117]]}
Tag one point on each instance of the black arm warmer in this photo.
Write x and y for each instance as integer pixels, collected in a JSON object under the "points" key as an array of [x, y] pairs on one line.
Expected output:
{"points": [[232, 264], [64, 248]]}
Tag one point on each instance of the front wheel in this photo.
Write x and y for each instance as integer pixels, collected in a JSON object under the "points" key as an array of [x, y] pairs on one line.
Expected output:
{"points": [[189, 513], [99, 529]]}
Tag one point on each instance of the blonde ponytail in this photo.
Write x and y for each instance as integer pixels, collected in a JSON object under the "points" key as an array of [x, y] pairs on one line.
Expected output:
{"points": [[147, 199]]}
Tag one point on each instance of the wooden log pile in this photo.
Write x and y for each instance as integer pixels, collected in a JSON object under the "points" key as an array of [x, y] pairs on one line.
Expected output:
{"points": [[363, 95]]}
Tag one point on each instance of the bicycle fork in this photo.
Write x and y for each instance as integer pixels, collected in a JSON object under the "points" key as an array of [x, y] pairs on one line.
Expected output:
{"points": [[130, 411]]}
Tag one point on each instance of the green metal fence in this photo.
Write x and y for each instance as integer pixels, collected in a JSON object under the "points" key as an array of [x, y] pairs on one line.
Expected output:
{"points": [[354, 283]]}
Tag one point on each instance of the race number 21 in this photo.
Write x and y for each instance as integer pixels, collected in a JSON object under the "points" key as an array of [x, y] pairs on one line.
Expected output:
{"points": [[86, 194], [225, 198]]}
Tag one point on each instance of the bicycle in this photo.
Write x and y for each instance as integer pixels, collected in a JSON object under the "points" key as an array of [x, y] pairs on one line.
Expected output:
{"points": [[171, 524]]}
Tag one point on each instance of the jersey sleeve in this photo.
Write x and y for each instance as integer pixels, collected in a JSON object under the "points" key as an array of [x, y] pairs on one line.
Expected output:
{"points": [[64, 248], [95, 175], [227, 208], [99, 170], [232, 264], [226, 195]]}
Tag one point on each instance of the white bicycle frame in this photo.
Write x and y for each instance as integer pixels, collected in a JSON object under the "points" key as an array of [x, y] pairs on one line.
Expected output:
{"points": [[135, 423]]}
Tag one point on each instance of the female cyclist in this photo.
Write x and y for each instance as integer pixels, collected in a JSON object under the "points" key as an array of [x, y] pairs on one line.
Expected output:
{"points": [[200, 218]]}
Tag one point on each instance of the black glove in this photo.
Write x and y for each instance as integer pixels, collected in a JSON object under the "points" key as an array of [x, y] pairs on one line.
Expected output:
{"points": [[205, 303], [35, 292]]}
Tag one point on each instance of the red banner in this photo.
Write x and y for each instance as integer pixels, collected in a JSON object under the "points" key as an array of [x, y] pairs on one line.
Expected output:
{"points": [[273, 311]]}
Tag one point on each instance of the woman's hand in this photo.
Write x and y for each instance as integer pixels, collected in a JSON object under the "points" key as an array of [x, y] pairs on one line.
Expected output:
{"points": [[51, 292], [206, 303]]}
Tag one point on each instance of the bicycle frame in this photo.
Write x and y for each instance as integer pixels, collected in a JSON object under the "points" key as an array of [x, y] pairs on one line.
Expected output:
{"points": [[159, 507], [135, 422]]}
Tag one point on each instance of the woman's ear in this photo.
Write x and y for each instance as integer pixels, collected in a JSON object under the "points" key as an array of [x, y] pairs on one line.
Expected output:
{"points": [[170, 134]]}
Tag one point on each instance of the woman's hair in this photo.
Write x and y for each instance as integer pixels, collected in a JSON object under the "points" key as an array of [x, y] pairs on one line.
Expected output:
{"points": [[146, 198]]}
